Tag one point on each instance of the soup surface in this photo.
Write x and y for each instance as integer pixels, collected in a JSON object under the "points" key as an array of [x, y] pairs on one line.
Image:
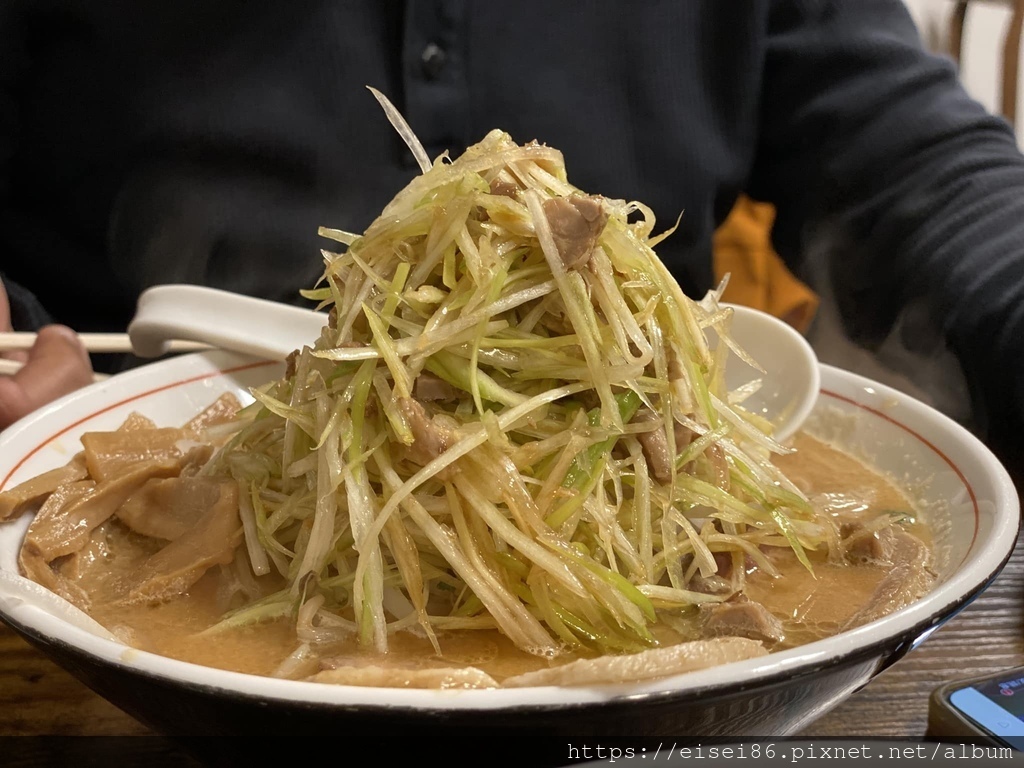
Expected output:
{"points": [[884, 570]]}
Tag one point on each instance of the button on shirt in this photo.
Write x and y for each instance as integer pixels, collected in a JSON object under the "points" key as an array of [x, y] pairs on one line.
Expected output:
{"points": [[434, 77]]}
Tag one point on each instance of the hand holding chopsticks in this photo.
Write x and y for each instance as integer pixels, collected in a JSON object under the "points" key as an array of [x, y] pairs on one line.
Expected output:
{"points": [[55, 365]]}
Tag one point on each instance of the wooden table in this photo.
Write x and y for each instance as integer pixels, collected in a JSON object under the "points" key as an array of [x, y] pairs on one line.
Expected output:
{"points": [[38, 699]]}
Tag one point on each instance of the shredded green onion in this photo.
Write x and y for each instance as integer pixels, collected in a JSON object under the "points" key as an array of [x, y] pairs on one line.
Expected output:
{"points": [[474, 441]]}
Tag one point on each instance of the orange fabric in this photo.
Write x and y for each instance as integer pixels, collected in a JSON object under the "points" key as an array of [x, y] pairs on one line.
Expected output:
{"points": [[757, 276]]}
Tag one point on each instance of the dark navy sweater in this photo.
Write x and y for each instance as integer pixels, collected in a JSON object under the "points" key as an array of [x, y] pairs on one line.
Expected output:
{"points": [[205, 141]]}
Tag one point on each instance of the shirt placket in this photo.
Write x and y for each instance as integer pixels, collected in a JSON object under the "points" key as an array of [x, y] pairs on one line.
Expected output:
{"points": [[434, 73]]}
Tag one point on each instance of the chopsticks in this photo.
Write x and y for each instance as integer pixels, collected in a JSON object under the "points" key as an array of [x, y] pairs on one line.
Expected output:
{"points": [[93, 342]]}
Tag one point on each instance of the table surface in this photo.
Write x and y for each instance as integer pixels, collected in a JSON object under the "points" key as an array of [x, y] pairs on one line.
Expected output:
{"points": [[39, 699]]}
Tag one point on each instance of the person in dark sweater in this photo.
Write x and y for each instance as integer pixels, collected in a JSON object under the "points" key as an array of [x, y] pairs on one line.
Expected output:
{"points": [[205, 141]]}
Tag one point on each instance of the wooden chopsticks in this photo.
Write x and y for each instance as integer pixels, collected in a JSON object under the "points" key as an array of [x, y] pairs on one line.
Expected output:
{"points": [[93, 342]]}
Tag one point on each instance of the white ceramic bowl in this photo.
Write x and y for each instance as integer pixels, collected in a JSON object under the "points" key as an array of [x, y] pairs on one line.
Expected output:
{"points": [[972, 503]]}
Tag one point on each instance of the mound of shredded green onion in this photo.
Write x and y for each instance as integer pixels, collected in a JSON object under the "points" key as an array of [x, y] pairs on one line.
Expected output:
{"points": [[478, 438]]}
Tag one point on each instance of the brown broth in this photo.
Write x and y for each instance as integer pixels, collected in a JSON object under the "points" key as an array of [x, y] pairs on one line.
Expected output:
{"points": [[810, 606]]}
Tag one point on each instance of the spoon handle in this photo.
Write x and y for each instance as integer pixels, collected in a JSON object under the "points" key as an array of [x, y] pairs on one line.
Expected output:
{"points": [[222, 319]]}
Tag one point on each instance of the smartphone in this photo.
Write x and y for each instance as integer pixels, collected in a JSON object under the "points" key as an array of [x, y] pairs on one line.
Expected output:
{"points": [[988, 710]]}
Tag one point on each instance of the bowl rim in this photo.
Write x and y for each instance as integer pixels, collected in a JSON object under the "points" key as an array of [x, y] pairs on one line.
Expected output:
{"points": [[889, 637]]}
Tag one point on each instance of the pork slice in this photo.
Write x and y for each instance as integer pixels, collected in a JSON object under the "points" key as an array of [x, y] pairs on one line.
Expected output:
{"points": [[909, 577], [646, 665], [505, 188], [717, 583], [211, 541], [741, 618], [655, 446], [683, 434], [29, 493], [292, 358], [866, 546], [576, 224], [166, 508], [430, 437], [431, 388]]}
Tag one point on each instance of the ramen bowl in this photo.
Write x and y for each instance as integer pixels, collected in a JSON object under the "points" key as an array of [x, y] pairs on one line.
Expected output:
{"points": [[227, 717]]}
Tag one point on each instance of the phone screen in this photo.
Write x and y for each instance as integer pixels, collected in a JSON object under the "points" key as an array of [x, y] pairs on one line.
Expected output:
{"points": [[997, 706]]}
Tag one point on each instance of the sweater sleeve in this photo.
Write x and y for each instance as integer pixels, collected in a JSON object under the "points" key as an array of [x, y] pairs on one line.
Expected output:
{"points": [[882, 167]]}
